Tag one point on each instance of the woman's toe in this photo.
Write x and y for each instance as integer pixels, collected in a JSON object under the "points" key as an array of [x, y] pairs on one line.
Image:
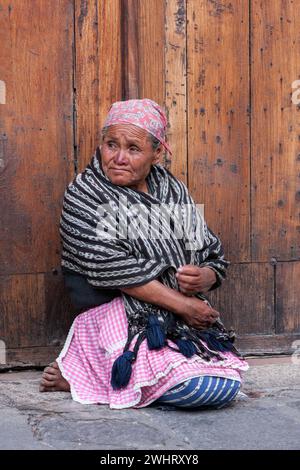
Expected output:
{"points": [[50, 370], [49, 377], [45, 386]]}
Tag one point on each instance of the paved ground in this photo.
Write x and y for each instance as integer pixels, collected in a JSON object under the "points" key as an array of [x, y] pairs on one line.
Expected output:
{"points": [[265, 416]]}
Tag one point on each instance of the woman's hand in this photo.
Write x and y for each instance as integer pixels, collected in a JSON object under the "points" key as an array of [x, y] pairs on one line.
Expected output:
{"points": [[198, 314], [193, 279]]}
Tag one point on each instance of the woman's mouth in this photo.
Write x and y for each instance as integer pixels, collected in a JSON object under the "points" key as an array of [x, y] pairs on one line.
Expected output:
{"points": [[119, 169]]}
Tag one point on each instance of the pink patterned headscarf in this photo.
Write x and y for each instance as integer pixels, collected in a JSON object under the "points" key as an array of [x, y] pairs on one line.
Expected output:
{"points": [[143, 113]]}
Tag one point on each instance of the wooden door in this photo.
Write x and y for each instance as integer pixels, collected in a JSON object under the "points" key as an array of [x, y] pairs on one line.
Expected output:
{"points": [[224, 72]]}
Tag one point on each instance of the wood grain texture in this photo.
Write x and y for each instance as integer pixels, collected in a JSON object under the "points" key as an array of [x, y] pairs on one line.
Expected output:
{"points": [[35, 310], [151, 41], [268, 344], [176, 92], [130, 49], [36, 129], [152, 30], [218, 123], [40, 356], [98, 72], [63, 64], [275, 142], [287, 297], [246, 298]]}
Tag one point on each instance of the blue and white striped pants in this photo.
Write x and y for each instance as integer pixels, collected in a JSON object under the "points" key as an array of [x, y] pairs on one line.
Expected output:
{"points": [[200, 392]]}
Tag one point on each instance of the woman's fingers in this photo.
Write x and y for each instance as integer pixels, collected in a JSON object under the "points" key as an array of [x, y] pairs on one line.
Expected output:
{"points": [[211, 316], [188, 281], [200, 314], [188, 287], [214, 313], [203, 325], [194, 277]]}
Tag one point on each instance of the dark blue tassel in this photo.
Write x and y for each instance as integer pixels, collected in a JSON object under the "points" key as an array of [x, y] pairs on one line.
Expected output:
{"points": [[186, 347], [121, 370], [155, 335], [215, 344]]}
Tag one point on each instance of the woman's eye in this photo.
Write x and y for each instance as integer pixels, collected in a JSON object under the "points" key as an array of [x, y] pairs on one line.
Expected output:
{"points": [[135, 149], [111, 144]]}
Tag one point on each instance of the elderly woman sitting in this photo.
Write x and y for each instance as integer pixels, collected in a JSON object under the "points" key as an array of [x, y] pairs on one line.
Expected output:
{"points": [[132, 233]]}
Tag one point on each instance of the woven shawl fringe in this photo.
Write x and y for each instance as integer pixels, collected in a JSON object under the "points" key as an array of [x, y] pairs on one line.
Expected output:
{"points": [[219, 339], [218, 343], [188, 345], [200, 349]]}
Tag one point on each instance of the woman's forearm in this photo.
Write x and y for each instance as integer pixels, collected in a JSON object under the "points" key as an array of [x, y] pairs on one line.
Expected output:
{"points": [[156, 293], [192, 310]]}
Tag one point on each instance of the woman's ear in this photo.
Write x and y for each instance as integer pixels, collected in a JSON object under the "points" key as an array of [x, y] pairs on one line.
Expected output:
{"points": [[157, 154]]}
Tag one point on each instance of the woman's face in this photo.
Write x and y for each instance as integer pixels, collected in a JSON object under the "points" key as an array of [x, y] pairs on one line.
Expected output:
{"points": [[127, 156]]}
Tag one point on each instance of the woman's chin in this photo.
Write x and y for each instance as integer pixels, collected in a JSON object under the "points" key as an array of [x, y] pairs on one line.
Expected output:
{"points": [[120, 180]]}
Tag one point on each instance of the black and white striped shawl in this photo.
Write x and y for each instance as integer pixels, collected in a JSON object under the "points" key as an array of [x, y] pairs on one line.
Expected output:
{"points": [[125, 262]]}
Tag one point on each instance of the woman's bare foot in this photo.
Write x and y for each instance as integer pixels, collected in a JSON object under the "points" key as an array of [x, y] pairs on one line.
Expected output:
{"points": [[53, 381]]}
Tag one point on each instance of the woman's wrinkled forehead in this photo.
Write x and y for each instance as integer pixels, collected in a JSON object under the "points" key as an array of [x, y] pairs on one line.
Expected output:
{"points": [[127, 131], [142, 113]]}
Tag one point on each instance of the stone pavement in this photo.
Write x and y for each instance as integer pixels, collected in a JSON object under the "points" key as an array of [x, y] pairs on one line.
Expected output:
{"points": [[265, 416]]}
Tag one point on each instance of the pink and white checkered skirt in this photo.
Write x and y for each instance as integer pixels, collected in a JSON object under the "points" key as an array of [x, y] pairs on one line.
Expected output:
{"points": [[98, 336]]}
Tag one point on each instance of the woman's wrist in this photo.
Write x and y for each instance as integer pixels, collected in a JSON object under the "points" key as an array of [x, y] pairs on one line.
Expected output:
{"points": [[179, 303]]}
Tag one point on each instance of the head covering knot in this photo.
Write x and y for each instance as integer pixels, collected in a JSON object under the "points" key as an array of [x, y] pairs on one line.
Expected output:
{"points": [[143, 113]]}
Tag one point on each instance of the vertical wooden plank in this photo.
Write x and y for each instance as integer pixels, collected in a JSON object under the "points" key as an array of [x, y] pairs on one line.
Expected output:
{"points": [[151, 41], [218, 127], [36, 130], [151, 53], [287, 297], [98, 70], [110, 84], [22, 305], [275, 130], [35, 310], [246, 299], [176, 92], [130, 49]]}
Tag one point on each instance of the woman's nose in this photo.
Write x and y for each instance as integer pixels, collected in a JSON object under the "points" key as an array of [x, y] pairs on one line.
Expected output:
{"points": [[120, 157]]}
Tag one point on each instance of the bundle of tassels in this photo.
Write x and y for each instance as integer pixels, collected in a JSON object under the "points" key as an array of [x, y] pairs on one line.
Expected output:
{"points": [[216, 341]]}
